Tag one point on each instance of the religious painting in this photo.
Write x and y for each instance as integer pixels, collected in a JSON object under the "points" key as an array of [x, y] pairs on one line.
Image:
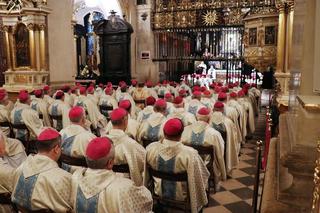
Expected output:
{"points": [[22, 46], [270, 35], [252, 36]]}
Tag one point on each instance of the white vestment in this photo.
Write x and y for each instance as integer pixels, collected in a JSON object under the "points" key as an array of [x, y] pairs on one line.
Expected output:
{"points": [[201, 134], [4, 117], [245, 102], [174, 157], [102, 191], [48, 99], [60, 108], [152, 128], [131, 131], [41, 107], [24, 114], [243, 117], [186, 117], [227, 128], [145, 114], [130, 152], [40, 184], [193, 106]]}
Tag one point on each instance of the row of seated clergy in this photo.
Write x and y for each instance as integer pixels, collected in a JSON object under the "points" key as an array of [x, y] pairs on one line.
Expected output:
{"points": [[38, 183]]}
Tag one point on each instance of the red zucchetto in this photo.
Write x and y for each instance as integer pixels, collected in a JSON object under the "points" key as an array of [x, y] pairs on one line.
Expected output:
{"points": [[48, 134], [204, 111], [196, 94], [98, 148], [150, 101], [173, 127], [59, 94], [178, 100], [168, 95], [125, 104], [161, 103], [90, 90], [38, 93], [23, 96], [182, 92], [149, 84], [218, 105], [134, 82], [217, 89], [76, 112], [241, 93], [108, 91], [222, 96], [118, 114], [83, 90], [207, 93], [2, 96], [233, 95], [46, 88]]}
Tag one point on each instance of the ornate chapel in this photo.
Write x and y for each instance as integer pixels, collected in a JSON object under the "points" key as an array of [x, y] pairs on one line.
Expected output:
{"points": [[160, 106]]}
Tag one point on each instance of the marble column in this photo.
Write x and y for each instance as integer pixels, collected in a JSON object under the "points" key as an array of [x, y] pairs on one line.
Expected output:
{"points": [[43, 61], [7, 40], [37, 48], [281, 39], [289, 31], [32, 46]]}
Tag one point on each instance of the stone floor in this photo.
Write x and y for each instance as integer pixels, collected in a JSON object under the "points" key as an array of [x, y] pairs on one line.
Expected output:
{"points": [[235, 194]]}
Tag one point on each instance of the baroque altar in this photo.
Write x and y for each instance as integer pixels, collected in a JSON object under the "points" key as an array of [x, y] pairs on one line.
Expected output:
{"points": [[25, 33]]}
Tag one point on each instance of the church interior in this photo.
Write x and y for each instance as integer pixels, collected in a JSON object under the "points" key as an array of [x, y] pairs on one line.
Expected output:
{"points": [[160, 106]]}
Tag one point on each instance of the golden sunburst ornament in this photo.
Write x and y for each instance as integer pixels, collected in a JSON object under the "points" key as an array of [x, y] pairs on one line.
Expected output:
{"points": [[210, 18]]}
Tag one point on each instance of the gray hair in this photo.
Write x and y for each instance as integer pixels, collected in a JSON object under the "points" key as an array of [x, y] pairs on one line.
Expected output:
{"points": [[102, 162]]}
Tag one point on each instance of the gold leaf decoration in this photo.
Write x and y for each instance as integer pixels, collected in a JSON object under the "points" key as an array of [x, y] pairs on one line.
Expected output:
{"points": [[210, 18]]}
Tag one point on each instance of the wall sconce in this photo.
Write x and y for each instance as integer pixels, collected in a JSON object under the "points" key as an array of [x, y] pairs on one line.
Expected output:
{"points": [[144, 16]]}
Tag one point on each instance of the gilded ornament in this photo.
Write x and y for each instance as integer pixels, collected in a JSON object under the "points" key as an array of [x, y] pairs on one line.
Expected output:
{"points": [[210, 18]]}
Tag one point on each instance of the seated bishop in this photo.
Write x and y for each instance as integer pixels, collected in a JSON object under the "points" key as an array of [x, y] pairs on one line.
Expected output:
{"points": [[139, 95], [12, 154], [60, 108], [76, 136], [148, 110], [133, 125], [4, 111], [151, 90], [171, 156], [92, 96], [47, 94], [245, 102], [201, 134], [168, 97], [39, 183], [107, 99], [98, 189], [151, 129], [195, 104], [123, 94], [98, 121], [128, 151], [180, 112], [227, 129], [41, 106], [24, 114]]}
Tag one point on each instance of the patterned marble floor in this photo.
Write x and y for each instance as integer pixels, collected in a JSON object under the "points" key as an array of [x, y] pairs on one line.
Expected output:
{"points": [[235, 194]]}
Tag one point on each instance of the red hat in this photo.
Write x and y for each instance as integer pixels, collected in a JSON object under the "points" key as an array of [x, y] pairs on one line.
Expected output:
{"points": [[150, 101], [3, 90], [108, 91], [46, 88], [101, 85], [109, 84], [48, 134], [204, 111], [168, 95], [233, 95], [178, 100], [182, 92], [76, 112], [125, 104], [23, 96], [217, 89], [173, 127], [222, 96], [241, 93], [2, 96], [118, 114], [245, 90], [78, 84], [220, 84], [230, 86], [149, 84], [203, 88], [82, 90], [196, 93], [38, 93], [134, 82], [59, 94], [196, 88], [207, 93], [225, 89], [98, 148], [218, 105], [236, 84], [90, 90], [254, 85], [161, 103]]}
